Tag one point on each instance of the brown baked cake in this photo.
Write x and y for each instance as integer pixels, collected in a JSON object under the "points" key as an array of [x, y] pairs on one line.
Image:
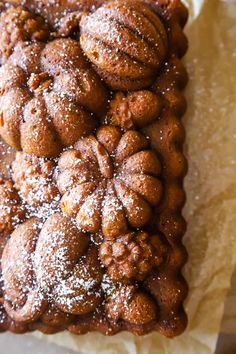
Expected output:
{"points": [[90, 204]]}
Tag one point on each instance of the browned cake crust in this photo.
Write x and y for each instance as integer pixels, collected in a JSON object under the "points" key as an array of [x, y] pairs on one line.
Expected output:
{"points": [[90, 219]]}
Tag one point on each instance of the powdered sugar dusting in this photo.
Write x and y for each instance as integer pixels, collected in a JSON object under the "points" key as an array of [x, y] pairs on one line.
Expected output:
{"points": [[106, 197], [61, 99]]}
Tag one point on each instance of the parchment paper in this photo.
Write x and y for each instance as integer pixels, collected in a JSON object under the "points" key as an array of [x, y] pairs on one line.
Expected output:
{"points": [[211, 188], [228, 324]]}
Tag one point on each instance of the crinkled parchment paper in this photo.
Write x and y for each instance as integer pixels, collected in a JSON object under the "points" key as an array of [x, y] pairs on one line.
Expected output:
{"points": [[228, 324], [211, 188]]}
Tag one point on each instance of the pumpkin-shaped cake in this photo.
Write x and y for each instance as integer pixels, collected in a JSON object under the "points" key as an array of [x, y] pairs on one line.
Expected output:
{"points": [[91, 191], [127, 43], [49, 95], [109, 181]]}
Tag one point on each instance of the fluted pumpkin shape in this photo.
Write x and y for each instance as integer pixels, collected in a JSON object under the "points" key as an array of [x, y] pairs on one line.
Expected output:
{"points": [[127, 43], [49, 95], [109, 181]]}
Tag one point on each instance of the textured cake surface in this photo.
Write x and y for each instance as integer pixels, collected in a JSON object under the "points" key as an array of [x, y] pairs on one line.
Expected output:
{"points": [[90, 214]]}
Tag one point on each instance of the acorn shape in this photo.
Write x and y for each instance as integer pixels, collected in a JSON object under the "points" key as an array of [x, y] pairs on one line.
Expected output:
{"points": [[134, 110], [131, 305], [126, 42]]}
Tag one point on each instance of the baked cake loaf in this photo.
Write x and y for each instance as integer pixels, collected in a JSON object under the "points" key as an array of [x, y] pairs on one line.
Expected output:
{"points": [[90, 209]]}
